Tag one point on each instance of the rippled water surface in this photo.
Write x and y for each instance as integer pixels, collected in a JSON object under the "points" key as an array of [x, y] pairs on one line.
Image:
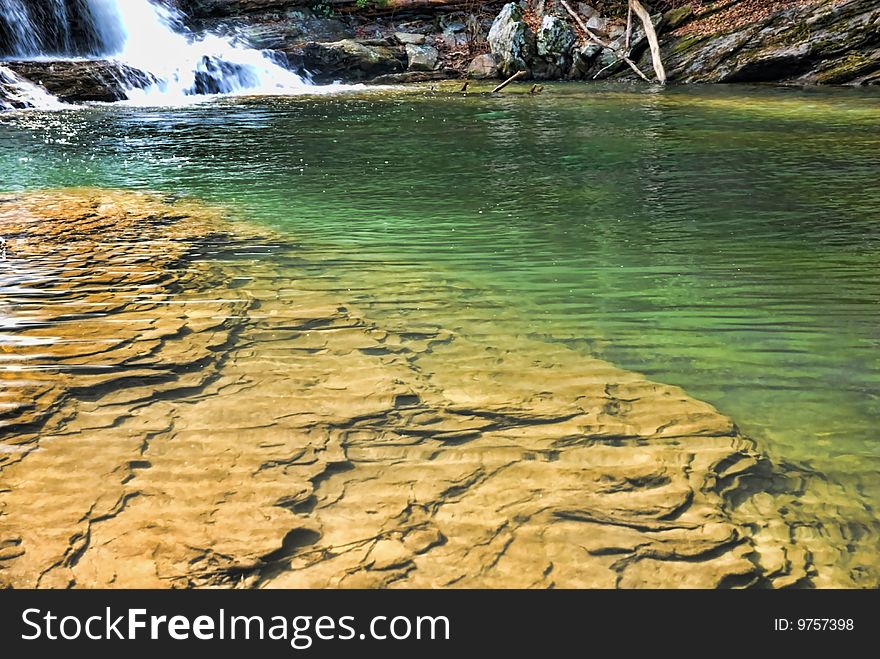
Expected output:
{"points": [[725, 239]]}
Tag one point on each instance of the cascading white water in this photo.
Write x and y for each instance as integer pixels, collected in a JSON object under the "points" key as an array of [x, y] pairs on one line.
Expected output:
{"points": [[22, 38], [56, 28], [17, 93], [184, 64], [148, 35]]}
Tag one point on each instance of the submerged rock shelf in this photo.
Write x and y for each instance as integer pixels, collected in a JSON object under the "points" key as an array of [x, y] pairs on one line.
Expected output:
{"points": [[175, 413]]}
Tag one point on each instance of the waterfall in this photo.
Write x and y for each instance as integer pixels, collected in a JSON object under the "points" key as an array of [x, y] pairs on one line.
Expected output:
{"points": [[148, 35], [59, 28], [17, 93], [15, 28]]}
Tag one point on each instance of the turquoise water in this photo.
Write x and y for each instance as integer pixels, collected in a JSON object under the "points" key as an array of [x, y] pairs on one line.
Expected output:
{"points": [[725, 239]]}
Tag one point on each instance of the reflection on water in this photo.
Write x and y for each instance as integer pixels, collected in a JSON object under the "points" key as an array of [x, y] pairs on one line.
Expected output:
{"points": [[725, 240]]}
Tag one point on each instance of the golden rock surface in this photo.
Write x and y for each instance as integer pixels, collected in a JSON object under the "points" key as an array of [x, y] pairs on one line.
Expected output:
{"points": [[176, 410]]}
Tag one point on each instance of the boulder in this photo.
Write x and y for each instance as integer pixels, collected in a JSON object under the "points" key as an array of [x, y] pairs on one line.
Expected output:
{"points": [[81, 80], [555, 38], [349, 59], [483, 66], [598, 24], [511, 41], [583, 61], [421, 58]]}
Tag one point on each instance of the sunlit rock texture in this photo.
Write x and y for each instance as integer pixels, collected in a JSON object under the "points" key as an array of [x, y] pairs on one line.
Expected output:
{"points": [[175, 411]]}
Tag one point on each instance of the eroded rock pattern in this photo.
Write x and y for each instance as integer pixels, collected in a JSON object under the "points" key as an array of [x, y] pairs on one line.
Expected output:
{"points": [[178, 411], [819, 42]]}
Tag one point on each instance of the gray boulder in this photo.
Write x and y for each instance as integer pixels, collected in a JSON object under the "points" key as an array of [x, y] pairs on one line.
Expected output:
{"points": [[555, 38], [421, 58], [511, 41], [483, 66], [598, 24]]}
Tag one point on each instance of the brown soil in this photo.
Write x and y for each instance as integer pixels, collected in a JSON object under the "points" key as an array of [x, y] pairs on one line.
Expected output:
{"points": [[727, 16]]}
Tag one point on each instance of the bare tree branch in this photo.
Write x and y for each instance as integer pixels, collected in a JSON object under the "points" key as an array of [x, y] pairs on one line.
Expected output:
{"points": [[595, 39], [656, 58]]}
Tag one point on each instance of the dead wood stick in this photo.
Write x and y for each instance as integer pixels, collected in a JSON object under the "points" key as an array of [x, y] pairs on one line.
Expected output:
{"points": [[603, 70], [504, 84], [604, 44], [651, 33], [629, 28]]}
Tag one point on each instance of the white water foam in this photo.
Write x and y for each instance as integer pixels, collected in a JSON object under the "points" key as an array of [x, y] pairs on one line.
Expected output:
{"points": [[151, 37], [18, 93]]}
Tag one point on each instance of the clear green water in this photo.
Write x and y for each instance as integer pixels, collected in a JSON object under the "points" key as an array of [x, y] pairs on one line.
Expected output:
{"points": [[725, 239]]}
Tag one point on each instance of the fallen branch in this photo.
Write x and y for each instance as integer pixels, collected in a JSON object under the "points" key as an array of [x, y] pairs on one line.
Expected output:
{"points": [[603, 70], [607, 46], [504, 84], [629, 28], [656, 58]]}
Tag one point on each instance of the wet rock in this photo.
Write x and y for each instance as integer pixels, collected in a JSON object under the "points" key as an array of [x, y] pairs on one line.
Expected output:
{"points": [[10, 98], [81, 80], [421, 58], [512, 41], [483, 66], [196, 432], [351, 60]]}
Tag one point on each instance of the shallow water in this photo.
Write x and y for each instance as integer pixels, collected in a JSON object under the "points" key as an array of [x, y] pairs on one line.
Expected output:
{"points": [[724, 239]]}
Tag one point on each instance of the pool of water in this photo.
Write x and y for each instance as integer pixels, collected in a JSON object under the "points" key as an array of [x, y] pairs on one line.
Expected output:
{"points": [[724, 239]]}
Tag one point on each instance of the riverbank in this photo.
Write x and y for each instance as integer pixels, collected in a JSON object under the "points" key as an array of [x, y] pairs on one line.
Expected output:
{"points": [[184, 421], [794, 41], [801, 42]]}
